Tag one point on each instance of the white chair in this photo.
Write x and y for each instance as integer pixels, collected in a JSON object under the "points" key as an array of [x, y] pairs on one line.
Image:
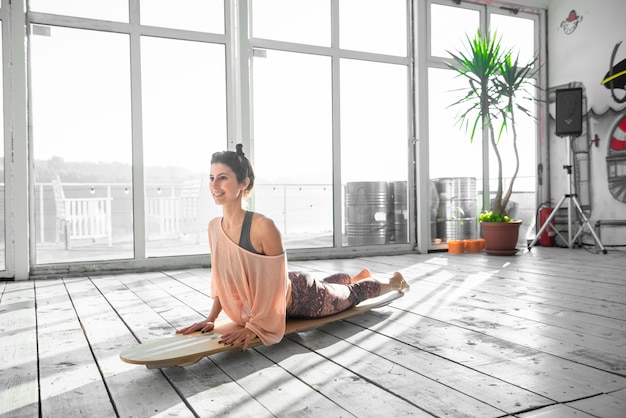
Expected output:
{"points": [[81, 218], [175, 217], [163, 217]]}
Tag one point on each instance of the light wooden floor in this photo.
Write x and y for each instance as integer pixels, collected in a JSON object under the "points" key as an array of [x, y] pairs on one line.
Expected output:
{"points": [[534, 335]]}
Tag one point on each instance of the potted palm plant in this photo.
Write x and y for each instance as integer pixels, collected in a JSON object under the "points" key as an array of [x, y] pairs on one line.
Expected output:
{"points": [[497, 83]]}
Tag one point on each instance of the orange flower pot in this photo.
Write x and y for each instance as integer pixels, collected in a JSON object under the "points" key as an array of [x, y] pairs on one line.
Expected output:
{"points": [[472, 246], [500, 237], [456, 247]]}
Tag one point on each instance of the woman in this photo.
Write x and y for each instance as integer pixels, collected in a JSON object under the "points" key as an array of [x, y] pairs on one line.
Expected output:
{"points": [[249, 278]]}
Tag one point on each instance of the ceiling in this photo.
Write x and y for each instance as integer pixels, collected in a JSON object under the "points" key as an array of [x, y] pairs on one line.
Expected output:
{"points": [[542, 4]]}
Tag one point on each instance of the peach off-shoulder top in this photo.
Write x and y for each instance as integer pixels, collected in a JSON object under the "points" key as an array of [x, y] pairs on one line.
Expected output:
{"points": [[254, 290]]}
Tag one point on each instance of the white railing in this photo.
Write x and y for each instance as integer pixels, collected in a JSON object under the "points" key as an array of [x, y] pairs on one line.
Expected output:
{"points": [[170, 214], [172, 211], [81, 218]]}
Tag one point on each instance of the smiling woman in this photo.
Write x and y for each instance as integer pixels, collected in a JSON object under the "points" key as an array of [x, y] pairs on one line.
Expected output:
{"points": [[249, 279]]}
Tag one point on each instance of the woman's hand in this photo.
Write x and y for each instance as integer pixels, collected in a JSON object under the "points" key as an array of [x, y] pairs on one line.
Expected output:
{"points": [[242, 338], [204, 326]]}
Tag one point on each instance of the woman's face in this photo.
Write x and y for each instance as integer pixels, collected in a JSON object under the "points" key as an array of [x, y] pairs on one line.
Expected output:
{"points": [[225, 187]]}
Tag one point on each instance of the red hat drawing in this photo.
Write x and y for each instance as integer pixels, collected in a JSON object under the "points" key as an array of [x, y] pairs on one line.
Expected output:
{"points": [[572, 16]]}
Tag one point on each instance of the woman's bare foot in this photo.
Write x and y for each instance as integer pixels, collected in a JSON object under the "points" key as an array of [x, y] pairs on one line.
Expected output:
{"points": [[398, 283], [363, 274]]}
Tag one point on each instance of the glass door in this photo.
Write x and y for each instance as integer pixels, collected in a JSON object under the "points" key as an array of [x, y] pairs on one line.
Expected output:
{"points": [[82, 148], [293, 151], [127, 106], [331, 121], [374, 149], [4, 226], [184, 123], [463, 173]]}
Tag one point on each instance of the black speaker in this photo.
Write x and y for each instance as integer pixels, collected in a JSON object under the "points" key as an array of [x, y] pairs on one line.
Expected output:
{"points": [[569, 112]]}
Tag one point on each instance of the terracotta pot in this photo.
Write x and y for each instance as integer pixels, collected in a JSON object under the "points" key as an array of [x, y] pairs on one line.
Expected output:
{"points": [[500, 237]]}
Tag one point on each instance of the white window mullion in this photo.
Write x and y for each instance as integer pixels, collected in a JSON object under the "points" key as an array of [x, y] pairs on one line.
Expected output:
{"points": [[239, 65], [336, 127], [17, 143], [138, 190]]}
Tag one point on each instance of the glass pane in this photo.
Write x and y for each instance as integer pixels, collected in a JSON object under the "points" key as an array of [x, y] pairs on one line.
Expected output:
{"points": [[302, 21], [293, 153], [374, 160], [197, 15], [523, 204], [456, 166], [116, 10], [184, 122], [373, 26], [449, 27], [2, 177], [455, 163], [517, 33], [80, 85]]}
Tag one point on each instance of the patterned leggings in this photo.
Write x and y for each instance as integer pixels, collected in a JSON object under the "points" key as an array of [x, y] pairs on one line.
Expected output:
{"points": [[311, 298]]}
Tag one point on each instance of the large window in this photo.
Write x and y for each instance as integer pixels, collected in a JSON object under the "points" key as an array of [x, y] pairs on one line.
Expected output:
{"points": [[459, 182], [374, 149], [303, 22], [80, 88], [293, 145], [195, 15], [331, 120], [115, 10], [184, 122], [125, 117], [116, 106], [3, 175], [374, 26]]}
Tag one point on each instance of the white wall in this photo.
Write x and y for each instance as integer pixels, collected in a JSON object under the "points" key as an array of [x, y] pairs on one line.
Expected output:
{"points": [[582, 35]]}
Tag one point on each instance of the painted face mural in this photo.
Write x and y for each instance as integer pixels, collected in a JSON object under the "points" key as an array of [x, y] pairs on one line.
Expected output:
{"points": [[588, 48], [570, 24], [616, 159]]}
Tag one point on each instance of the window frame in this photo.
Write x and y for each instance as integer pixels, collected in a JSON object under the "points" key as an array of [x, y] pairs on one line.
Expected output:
{"points": [[19, 191]]}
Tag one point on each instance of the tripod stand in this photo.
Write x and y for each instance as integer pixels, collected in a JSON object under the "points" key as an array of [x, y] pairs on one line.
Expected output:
{"points": [[573, 198]]}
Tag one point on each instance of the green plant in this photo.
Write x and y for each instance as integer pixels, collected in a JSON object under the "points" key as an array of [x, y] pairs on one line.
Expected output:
{"points": [[495, 83], [494, 217]]}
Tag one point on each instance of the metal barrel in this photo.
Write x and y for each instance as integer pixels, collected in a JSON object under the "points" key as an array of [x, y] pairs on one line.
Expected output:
{"points": [[367, 212], [398, 229], [457, 216]]}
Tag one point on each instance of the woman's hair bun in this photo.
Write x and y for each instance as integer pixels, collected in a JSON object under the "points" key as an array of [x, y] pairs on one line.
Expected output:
{"points": [[239, 148]]}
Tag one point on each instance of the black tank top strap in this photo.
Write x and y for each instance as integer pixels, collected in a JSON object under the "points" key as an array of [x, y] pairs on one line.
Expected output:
{"points": [[244, 238]]}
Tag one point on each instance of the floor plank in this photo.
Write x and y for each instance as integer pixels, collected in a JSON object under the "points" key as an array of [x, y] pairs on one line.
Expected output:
{"points": [[539, 334], [272, 386], [135, 391], [70, 382], [603, 405], [148, 308], [18, 351], [426, 394], [451, 377]]}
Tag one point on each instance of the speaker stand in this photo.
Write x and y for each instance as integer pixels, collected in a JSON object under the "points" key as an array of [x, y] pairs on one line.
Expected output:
{"points": [[573, 198]]}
